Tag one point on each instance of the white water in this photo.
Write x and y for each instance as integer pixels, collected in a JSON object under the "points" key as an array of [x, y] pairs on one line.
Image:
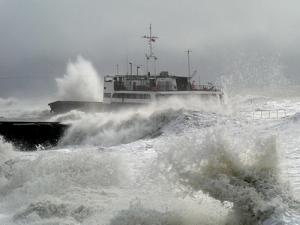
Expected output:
{"points": [[81, 82], [173, 163], [170, 164]]}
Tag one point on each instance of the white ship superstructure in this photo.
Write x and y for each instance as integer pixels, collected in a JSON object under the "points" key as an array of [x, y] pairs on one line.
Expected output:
{"points": [[152, 86], [134, 89], [141, 89]]}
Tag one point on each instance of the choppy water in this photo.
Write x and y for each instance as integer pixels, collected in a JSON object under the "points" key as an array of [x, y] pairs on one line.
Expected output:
{"points": [[182, 163]]}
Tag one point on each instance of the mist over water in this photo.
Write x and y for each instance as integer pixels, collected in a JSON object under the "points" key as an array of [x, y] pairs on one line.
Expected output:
{"points": [[174, 162], [24, 109], [258, 75]]}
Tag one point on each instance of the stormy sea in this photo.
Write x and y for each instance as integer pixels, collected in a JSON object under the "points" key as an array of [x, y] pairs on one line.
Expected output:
{"points": [[174, 162]]}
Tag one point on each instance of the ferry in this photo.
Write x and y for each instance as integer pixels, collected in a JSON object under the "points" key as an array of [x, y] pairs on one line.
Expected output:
{"points": [[134, 89]]}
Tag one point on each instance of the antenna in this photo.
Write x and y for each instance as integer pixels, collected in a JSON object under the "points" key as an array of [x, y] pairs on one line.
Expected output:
{"points": [[189, 65], [151, 39], [137, 69], [127, 62], [117, 69], [130, 63]]}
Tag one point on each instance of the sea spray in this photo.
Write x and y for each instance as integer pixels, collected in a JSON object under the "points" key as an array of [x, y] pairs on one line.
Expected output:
{"points": [[53, 210], [41, 186], [244, 173], [58, 171], [64, 185], [256, 75], [128, 124], [137, 214], [15, 108], [6, 150], [7, 153], [108, 129], [81, 82], [178, 211]]}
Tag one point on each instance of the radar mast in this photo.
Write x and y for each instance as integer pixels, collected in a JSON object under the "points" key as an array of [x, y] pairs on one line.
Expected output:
{"points": [[151, 55]]}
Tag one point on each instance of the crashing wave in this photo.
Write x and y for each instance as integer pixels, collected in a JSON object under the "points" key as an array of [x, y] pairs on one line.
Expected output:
{"points": [[108, 129], [245, 175]]}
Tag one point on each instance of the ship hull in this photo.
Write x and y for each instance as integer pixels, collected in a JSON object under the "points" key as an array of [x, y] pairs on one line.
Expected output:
{"points": [[29, 135], [66, 106]]}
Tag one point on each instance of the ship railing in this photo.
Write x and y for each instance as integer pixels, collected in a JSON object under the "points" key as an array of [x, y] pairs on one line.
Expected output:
{"points": [[203, 87], [265, 113]]}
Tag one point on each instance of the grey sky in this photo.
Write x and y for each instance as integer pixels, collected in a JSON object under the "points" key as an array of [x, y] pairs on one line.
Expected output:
{"points": [[39, 37]]}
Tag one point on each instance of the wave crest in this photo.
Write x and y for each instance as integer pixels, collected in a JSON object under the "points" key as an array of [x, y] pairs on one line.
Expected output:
{"points": [[242, 173]]}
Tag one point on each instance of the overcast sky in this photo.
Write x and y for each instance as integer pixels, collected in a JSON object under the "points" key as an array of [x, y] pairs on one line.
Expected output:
{"points": [[39, 37]]}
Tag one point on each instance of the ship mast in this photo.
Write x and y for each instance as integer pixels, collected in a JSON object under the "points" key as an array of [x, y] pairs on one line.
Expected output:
{"points": [[151, 55], [188, 61]]}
